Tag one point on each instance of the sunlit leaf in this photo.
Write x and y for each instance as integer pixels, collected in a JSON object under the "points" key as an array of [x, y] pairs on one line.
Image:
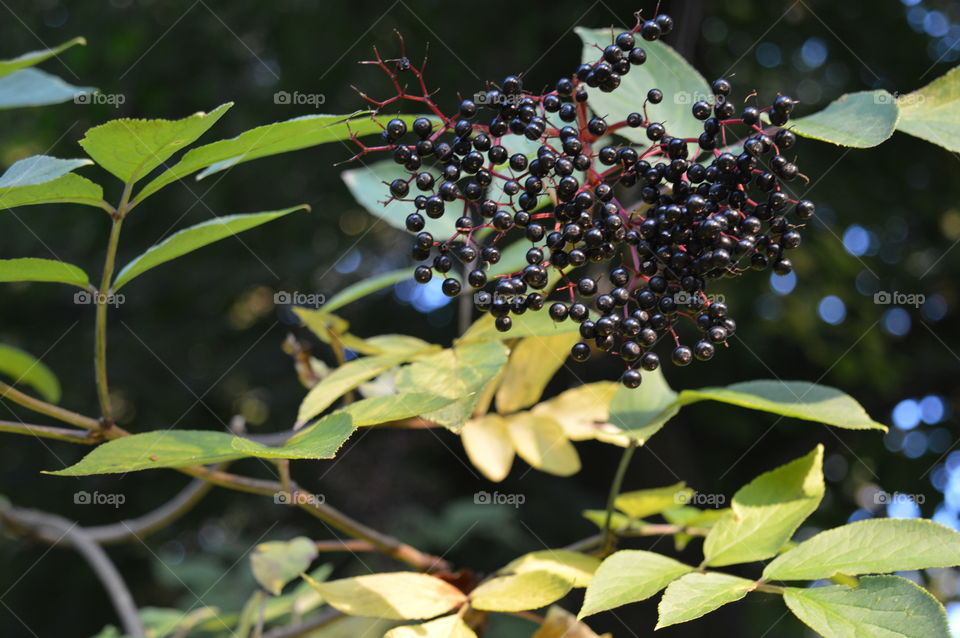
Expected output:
{"points": [[276, 563], [574, 567], [42, 270], [394, 595], [867, 547], [131, 148], [533, 362], [519, 592], [190, 239], [629, 576], [859, 120], [695, 595], [879, 607], [766, 512], [543, 444], [488, 445]]}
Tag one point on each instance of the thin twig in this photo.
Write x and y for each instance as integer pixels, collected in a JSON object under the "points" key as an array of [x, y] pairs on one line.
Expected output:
{"points": [[46, 526], [50, 432], [50, 410], [609, 538], [301, 629], [137, 528]]}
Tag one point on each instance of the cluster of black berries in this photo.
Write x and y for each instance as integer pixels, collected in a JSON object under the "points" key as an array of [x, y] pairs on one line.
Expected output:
{"points": [[697, 215]]}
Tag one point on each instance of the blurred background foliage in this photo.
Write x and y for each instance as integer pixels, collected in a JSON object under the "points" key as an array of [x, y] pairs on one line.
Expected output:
{"points": [[199, 340]]}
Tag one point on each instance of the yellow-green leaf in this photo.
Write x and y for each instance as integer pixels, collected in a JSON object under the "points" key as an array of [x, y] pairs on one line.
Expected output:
{"points": [[532, 364], [543, 444], [393, 595], [574, 567], [629, 576], [519, 592], [131, 148], [488, 446], [643, 503], [583, 412], [695, 595], [560, 623], [276, 563], [766, 512], [447, 627], [931, 113]]}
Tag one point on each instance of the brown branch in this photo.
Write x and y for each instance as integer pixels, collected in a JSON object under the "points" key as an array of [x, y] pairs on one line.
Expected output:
{"points": [[87, 437], [345, 546], [53, 411], [137, 528]]}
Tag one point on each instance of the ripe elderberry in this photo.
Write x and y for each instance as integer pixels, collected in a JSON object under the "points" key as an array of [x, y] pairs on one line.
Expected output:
{"points": [[700, 211]]}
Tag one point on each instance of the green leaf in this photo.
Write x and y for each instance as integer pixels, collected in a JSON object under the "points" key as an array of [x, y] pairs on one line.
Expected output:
{"points": [[629, 576], [880, 607], [574, 567], [131, 148], [446, 627], [33, 87], [641, 412], [386, 408], [366, 287], [695, 595], [181, 448], [42, 179], [798, 399], [68, 189], [25, 369], [43, 270], [36, 57], [530, 324], [860, 120], [766, 512], [519, 592], [194, 237], [459, 373], [38, 169], [322, 442], [394, 595], [665, 69], [542, 443], [643, 503], [532, 364], [276, 563], [366, 184], [351, 375], [867, 547], [263, 141], [931, 113], [619, 521], [488, 446]]}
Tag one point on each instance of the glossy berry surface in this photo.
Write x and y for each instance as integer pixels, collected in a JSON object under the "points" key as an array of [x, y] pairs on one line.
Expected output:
{"points": [[627, 241]]}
